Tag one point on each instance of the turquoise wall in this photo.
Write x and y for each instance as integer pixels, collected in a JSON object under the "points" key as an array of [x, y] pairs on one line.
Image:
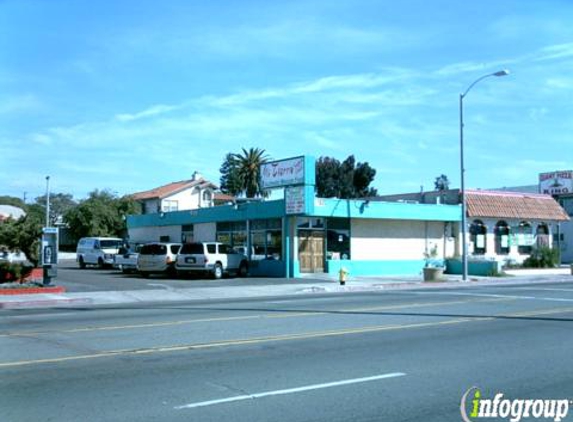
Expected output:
{"points": [[267, 268], [376, 268], [479, 268], [386, 210], [241, 212]]}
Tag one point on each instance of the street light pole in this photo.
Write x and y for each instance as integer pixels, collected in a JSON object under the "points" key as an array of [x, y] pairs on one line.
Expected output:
{"points": [[463, 171], [47, 201]]}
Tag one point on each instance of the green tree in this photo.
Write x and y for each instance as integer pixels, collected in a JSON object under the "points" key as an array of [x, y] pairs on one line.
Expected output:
{"points": [[24, 234], [60, 203], [248, 165], [442, 183], [101, 214], [230, 181], [12, 200], [347, 179]]}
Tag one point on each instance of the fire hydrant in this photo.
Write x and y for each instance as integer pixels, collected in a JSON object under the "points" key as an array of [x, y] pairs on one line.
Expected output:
{"points": [[343, 275]]}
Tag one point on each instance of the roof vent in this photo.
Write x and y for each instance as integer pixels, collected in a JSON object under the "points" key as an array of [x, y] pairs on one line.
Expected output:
{"points": [[197, 176]]}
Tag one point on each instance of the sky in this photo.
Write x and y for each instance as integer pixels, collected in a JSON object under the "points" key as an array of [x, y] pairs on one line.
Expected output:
{"points": [[130, 95]]}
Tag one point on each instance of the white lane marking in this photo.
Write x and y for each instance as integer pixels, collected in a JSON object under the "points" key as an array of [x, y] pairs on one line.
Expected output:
{"points": [[160, 285], [543, 289], [549, 299], [41, 316], [290, 391]]}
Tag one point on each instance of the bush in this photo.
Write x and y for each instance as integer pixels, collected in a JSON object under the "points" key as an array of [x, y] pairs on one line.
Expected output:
{"points": [[10, 272], [543, 257]]}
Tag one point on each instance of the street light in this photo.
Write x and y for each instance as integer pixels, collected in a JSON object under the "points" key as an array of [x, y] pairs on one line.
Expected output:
{"points": [[47, 201], [463, 170]]}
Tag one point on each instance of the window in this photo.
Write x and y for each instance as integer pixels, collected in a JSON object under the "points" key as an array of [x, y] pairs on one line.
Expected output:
{"points": [[175, 249], [233, 233], [543, 237], [192, 248], [502, 238], [169, 205], [266, 239], [524, 238], [207, 196], [187, 233], [153, 249], [310, 223], [338, 238], [478, 235], [111, 244], [211, 248]]}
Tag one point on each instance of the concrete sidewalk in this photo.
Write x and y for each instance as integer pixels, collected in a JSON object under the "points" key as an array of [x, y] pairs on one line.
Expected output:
{"points": [[314, 285]]}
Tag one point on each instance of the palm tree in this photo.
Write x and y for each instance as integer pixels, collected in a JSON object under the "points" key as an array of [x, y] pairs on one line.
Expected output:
{"points": [[248, 166]]}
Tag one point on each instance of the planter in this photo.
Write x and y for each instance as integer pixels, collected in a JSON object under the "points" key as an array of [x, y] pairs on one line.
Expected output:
{"points": [[433, 273]]}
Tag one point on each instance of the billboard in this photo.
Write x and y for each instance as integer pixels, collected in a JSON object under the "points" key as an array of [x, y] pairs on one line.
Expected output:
{"points": [[556, 183], [289, 172]]}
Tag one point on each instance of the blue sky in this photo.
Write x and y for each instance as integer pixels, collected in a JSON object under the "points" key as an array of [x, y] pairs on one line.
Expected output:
{"points": [[130, 95]]}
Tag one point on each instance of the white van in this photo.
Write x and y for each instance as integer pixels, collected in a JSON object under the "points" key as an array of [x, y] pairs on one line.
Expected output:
{"points": [[98, 251]]}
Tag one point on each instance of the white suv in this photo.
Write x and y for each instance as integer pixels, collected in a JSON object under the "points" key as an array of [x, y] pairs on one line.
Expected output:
{"points": [[211, 257], [157, 258]]}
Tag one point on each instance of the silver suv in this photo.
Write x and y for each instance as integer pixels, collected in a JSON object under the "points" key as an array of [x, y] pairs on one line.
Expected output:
{"points": [[211, 257], [157, 258]]}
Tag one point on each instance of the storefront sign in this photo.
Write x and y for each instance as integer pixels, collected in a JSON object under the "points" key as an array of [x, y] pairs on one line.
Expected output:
{"points": [[556, 183], [282, 173], [294, 200]]}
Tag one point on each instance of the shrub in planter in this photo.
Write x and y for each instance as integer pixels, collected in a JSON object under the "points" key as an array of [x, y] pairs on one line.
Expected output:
{"points": [[13, 271], [543, 257]]}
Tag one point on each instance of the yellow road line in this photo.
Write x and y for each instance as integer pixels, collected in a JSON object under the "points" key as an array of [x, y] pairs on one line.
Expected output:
{"points": [[226, 343], [248, 317], [278, 338]]}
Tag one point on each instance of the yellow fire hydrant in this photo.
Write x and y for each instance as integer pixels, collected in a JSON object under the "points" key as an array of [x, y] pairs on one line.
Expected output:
{"points": [[343, 275]]}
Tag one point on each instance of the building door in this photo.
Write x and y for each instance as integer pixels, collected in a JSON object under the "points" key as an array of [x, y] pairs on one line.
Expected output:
{"points": [[311, 251]]}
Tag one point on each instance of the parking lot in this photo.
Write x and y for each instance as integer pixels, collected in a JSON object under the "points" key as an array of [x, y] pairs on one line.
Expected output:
{"points": [[93, 279]]}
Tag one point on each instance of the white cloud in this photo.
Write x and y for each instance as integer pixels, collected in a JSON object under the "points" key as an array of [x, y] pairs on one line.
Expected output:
{"points": [[555, 52], [149, 112]]}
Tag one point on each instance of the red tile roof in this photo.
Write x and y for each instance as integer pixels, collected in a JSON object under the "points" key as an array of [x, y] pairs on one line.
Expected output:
{"points": [[171, 188], [223, 197], [514, 205]]}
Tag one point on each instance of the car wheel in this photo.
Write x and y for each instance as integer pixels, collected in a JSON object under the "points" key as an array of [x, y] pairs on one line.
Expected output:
{"points": [[100, 263], [82, 263], [217, 271], [243, 269], [144, 274]]}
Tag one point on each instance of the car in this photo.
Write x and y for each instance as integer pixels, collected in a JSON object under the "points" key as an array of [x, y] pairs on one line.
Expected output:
{"points": [[98, 251], [157, 257], [14, 257], [214, 258], [126, 258]]}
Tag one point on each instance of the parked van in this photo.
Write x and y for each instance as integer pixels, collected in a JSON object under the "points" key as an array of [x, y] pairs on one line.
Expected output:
{"points": [[98, 251]]}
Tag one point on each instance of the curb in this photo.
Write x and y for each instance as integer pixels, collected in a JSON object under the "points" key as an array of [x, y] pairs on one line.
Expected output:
{"points": [[47, 303], [31, 291]]}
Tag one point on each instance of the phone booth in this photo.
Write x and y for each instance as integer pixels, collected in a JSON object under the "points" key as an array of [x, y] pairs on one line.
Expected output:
{"points": [[49, 253]]}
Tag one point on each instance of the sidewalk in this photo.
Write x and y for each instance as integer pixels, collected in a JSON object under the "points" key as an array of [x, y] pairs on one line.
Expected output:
{"points": [[314, 285]]}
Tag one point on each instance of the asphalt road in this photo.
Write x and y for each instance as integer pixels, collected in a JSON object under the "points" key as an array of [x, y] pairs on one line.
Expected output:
{"points": [[93, 279], [392, 356]]}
